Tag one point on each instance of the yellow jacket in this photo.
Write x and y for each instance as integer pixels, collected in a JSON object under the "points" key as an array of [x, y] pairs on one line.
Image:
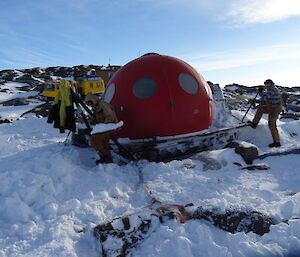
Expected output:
{"points": [[64, 95]]}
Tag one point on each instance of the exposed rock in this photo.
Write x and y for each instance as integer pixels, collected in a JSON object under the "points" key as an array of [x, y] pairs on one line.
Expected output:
{"points": [[279, 153], [246, 150], [126, 233], [39, 111], [16, 102], [8, 75], [36, 76], [294, 107], [119, 236], [28, 79], [240, 89], [256, 167], [237, 96], [25, 88], [210, 163], [4, 121], [236, 220], [294, 116]]}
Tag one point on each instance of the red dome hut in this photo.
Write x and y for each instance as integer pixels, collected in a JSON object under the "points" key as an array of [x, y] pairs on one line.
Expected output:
{"points": [[158, 95]]}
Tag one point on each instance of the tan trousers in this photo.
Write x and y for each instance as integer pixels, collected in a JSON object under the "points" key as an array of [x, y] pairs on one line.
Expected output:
{"points": [[273, 116], [100, 142]]}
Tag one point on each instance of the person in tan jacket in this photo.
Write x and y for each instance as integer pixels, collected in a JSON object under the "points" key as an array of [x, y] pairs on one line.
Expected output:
{"points": [[103, 113]]}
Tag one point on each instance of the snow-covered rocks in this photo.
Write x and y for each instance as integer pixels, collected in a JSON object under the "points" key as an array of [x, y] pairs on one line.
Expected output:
{"points": [[121, 235], [16, 102], [247, 150]]}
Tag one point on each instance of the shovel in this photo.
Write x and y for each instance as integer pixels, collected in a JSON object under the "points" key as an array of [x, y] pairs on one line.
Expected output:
{"points": [[258, 91]]}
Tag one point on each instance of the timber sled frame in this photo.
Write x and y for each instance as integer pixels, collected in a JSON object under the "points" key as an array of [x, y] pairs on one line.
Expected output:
{"points": [[179, 147]]}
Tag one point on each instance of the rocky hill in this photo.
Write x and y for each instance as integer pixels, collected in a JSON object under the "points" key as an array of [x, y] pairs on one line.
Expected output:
{"points": [[24, 86], [36, 77]]}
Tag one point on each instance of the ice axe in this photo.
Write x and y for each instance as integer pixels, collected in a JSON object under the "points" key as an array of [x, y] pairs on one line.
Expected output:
{"points": [[258, 91]]}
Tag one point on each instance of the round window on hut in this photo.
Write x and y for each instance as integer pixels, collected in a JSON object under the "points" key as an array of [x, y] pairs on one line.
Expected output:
{"points": [[144, 88], [188, 83], [109, 92]]}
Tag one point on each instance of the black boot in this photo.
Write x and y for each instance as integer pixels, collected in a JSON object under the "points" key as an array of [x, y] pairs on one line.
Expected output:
{"points": [[275, 144], [104, 159]]}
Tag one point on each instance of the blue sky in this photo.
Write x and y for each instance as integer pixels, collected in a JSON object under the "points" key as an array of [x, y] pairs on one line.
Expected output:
{"points": [[226, 41]]}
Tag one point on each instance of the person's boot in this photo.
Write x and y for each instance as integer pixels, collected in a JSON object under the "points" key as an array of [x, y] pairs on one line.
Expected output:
{"points": [[104, 159], [252, 124], [98, 161], [275, 144]]}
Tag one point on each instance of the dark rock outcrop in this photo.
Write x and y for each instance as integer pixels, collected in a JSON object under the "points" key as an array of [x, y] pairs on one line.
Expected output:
{"points": [[235, 220], [246, 150], [129, 231], [16, 102], [4, 121]]}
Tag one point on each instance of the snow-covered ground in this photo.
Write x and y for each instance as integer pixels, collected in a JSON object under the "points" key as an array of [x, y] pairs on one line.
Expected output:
{"points": [[6, 112], [13, 91], [52, 195]]}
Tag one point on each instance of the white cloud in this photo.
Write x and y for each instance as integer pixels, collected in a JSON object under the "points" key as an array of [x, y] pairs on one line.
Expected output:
{"points": [[24, 57], [286, 77], [244, 57], [262, 11], [250, 66], [238, 11]]}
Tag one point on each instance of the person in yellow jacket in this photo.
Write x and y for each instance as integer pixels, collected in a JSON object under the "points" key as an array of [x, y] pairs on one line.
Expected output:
{"points": [[62, 112], [103, 113]]}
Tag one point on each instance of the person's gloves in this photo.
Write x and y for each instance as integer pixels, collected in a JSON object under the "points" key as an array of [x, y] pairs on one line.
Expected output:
{"points": [[252, 102]]}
